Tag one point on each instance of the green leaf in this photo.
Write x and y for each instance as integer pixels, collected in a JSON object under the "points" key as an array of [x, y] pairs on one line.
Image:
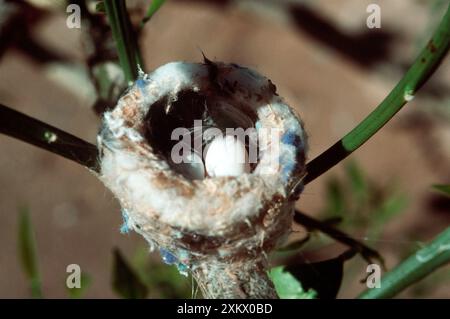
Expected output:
{"points": [[287, 286], [335, 198], [152, 9], [389, 208], [100, 7], [27, 250], [75, 293], [442, 188], [126, 283], [358, 181]]}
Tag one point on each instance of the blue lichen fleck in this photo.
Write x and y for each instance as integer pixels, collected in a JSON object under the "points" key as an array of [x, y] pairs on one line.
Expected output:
{"points": [[140, 83], [167, 257], [182, 269], [124, 229], [170, 259], [291, 138]]}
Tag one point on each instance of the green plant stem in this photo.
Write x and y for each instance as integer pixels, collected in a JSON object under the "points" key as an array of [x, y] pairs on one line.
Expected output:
{"points": [[28, 255], [124, 37], [152, 8], [413, 269], [422, 68]]}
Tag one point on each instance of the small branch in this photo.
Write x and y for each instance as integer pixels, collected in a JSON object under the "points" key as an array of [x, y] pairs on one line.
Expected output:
{"points": [[40, 134], [413, 269], [423, 67], [366, 252], [124, 37]]}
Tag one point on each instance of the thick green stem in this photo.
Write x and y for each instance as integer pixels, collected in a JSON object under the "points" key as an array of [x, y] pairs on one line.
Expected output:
{"points": [[124, 37], [413, 269], [422, 68]]}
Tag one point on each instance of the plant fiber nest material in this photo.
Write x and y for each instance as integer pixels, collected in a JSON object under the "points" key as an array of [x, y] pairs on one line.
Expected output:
{"points": [[219, 228]]}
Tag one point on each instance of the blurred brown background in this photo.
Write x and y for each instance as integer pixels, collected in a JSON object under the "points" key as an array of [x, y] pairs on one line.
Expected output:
{"points": [[325, 62]]}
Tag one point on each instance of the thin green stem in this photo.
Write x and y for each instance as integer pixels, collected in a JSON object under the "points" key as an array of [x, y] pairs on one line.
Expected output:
{"points": [[152, 8], [413, 269], [28, 255], [124, 37], [422, 68]]}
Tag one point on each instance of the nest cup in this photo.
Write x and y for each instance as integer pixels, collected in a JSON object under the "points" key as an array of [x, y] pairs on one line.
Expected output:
{"points": [[220, 228]]}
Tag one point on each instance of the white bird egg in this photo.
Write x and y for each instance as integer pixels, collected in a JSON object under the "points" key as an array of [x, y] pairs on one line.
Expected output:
{"points": [[226, 156]]}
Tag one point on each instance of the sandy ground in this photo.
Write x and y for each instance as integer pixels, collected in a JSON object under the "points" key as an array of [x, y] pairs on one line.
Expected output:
{"points": [[77, 220]]}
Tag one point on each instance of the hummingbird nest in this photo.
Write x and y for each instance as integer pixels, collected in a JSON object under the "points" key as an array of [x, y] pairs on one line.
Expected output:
{"points": [[219, 228]]}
